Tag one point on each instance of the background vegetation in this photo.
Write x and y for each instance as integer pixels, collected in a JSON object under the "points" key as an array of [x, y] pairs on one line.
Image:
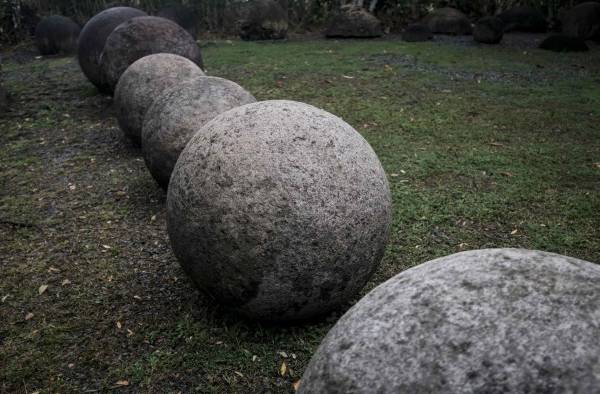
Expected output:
{"points": [[17, 17]]}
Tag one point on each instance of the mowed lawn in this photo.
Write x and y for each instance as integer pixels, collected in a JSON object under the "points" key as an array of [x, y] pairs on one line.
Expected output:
{"points": [[483, 146]]}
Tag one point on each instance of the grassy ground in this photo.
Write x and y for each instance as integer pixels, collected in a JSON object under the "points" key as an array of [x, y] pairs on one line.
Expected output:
{"points": [[484, 147]]}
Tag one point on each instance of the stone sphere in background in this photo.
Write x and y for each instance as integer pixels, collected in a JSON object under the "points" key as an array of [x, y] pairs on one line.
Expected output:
{"points": [[564, 43], [488, 30], [93, 37], [524, 19], [448, 20], [279, 210], [583, 21], [484, 321], [184, 16], [417, 32], [143, 36], [353, 22], [180, 112], [264, 20], [56, 34], [143, 82]]}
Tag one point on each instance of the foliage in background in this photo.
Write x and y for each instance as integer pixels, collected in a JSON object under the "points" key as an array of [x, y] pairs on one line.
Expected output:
{"points": [[18, 17]]}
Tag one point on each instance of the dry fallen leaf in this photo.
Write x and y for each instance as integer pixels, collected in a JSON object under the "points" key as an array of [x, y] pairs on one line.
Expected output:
{"points": [[129, 332], [296, 385], [241, 375], [119, 325], [66, 282], [29, 316], [283, 369], [4, 298], [42, 289], [122, 383], [514, 232], [283, 354]]}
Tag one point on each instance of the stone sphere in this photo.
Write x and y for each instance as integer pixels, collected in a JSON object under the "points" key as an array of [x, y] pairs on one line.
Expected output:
{"points": [[93, 37], [484, 321], [448, 20], [489, 30], [263, 20], [181, 111], [353, 22], [279, 210], [525, 19], [583, 21], [143, 36], [417, 32], [56, 34], [142, 82], [564, 43]]}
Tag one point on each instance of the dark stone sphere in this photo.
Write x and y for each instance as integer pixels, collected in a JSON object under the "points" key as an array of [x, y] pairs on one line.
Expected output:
{"points": [[524, 19], [181, 111], [488, 30], [353, 22], [143, 36], [143, 82], [417, 32], [185, 17], [448, 20], [484, 321], [279, 210], [56, 34], [93, 37], [563, 43], [264, 20], [583, 21]]}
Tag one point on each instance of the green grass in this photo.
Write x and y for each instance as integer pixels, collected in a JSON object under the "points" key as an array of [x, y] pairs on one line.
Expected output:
{"points": [[484, 147]]}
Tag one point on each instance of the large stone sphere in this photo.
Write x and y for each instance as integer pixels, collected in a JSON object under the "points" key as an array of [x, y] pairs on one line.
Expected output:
{"points": [[264, 20], [484, 321], [181, 111], [56, 34], [279, 210], [143, 36], [93, 37], [143, 82], [489, 30], [448, 20]]}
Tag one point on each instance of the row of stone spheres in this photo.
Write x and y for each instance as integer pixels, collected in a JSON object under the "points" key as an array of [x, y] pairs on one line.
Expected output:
{"points": [[282, 212]]}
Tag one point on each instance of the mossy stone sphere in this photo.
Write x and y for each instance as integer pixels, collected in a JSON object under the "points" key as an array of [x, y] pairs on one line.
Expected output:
{"points": [[483, 321], [279, 210], [181, 111], [143, 82]]}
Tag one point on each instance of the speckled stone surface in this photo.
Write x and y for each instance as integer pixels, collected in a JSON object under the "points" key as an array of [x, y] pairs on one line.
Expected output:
{"points": [[143, 82], [93, 37], [279, 210], [181, 111], [484, 321], [142, 36]]}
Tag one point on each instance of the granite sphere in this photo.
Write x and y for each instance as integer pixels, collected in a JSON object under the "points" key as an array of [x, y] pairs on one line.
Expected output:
{"points": [[484, 321], [93, 37], [56, 34], [489, 30], [142, 82], [279, 210], [181, 111], [143, 36]]}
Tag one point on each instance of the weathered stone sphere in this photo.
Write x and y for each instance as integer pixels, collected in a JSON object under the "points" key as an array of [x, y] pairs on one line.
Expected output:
{"points": [[525, 19], [264, 20], [583, 21], [417, 32], [93, 37], [56, 34], [142, 82], [448, 20], [353, 22], [488, 30], [279, 210], [484, 321], [181, 111], [143, 36], [563, 43]]}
